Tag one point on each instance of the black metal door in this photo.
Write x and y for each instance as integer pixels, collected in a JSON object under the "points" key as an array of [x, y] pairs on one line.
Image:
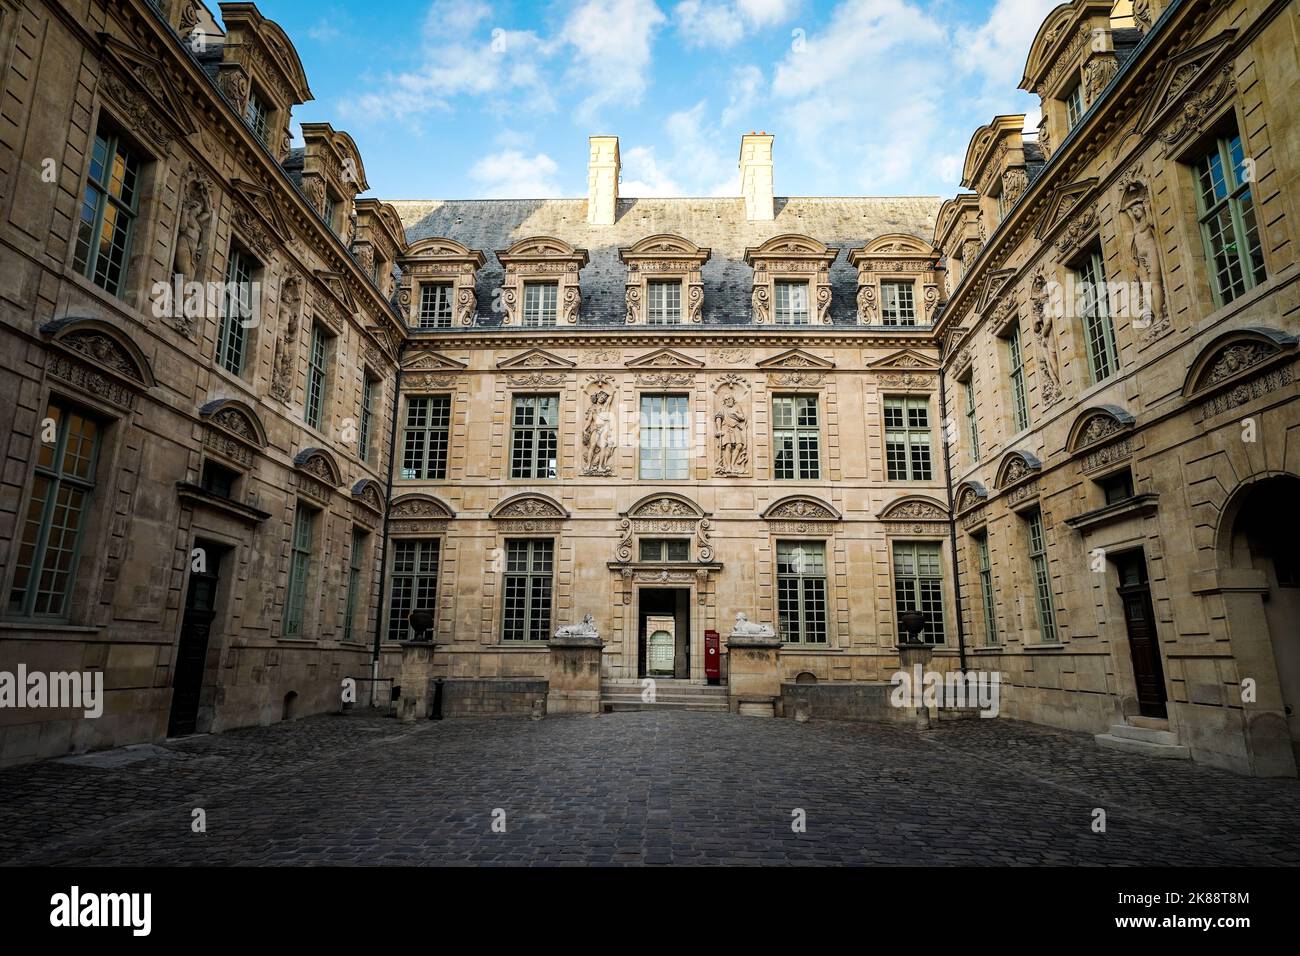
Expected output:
{"points": [[1144, 646], [192, 651]]}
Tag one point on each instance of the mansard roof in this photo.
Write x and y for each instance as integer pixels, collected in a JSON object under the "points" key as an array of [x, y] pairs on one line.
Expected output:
{"points": [[719, 224]]}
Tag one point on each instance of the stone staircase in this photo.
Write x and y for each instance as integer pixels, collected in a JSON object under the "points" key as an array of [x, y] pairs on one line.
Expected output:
{"points": [[1149, 736], [670, 694]]}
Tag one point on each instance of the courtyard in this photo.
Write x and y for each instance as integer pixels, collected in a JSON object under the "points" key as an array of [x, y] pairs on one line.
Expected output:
{"points": [[638, 788]]}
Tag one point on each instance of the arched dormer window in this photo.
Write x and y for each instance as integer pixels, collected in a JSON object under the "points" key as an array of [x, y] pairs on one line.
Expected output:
{"points": [[541, 282], [791, 281], [664, 286]]}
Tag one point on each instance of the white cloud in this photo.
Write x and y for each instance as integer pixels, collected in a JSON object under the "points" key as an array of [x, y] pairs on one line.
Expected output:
{"points": [[997, 50], [746, 85], [763, 13], [611, 42], [694, 161], [716, 23], [510, 174]]}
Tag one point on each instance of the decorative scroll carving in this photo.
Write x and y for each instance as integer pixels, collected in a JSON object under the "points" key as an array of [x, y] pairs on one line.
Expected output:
{"points": [[731, 426], [135, 110], [664, 258], [541, 258], [915, 509], [1079, 229], [798, 257], [731, 356], [599, 433], [664, 379], [1198, 106], [86, 378], [899, 257]]}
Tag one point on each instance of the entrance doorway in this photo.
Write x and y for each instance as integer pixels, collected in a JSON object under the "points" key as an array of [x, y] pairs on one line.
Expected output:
{"points": [[192, 649], [664, 632], [1143, 643]]}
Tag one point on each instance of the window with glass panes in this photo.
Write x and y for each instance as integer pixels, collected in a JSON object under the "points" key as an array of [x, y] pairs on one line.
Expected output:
{"points": [[801, 591], [1098, 328], [791, 303], [236, 311], [435, 305], [1016, 367], [368, 388], [907, 439], [918, 586], [986, 589], [425, 437], [526, 614], [665, 549], [534, 436], [50, 542], [1073, 106], [1042, 580], [1227, 216], [665, 303], [300, 561], [665, 437], [330, 211], [897, 303], [317, 375], [540, 303], [796, 435], [972, 422], [108, 210], [414, 585], [356, 568], [256, 116]]}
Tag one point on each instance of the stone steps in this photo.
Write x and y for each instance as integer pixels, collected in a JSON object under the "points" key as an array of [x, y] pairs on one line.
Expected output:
{"points": [[1149, 738], [670, 694]]}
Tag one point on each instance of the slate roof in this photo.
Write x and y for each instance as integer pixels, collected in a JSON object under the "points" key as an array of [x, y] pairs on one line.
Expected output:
{"points": [[719, 224]]}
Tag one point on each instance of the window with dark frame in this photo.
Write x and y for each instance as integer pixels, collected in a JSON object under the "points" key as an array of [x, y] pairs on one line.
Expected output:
{"points": [[540, 303], [368, 386], [534, 436], [218, 479], [897, 303], [317, 375], [986, 589], [907, 440], [435, 305], [665, 549], [1227, 216], [796, 437], [801, 591], [236, 311], [791, 303], [356, 568], [426, 436], [1016, 368], [526, 610], [664, 305], [302, 550], [414, 585], [1098, 326], [109, 207], [918, 586], [1041, 576]]}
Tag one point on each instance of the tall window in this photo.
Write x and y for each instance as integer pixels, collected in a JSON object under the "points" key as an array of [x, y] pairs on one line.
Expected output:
{"points": [[791, 303], [534, 437], [665, 303], [1042, 581], [435, 305], [415, 584], [51, 534], [918, 586], [1228, 219], [255, 115], [665, 437], [108, 210], [236, 311], [356, 569], [330, 212], [897, 303], [527, 606], [368, 386], [1098, 328], [972, 421], [986, 589], [907, 439], [1016, 364], [317, 375], [425, 438], [801, 591], [796, 433], [1074, 106], [300, 560], [540, 303]]}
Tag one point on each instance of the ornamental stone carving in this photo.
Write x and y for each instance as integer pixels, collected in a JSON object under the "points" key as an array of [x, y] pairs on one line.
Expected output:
{"points": [[438, 261], [1049, 362], [744, 627], [586, 628], [900, 259], [1135, 204], [285, 361], [791, 258], [541, 259], [731, 426], [599, 432], [1198, 107], [191, 239]]}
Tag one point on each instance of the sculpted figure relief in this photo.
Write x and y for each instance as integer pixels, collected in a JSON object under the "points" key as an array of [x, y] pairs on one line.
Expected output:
{"points": [[1044, 335], [196, 212], [598, 438], [1146, 251], [747, 628], [731, 430], [585, 628], [286, 342]]}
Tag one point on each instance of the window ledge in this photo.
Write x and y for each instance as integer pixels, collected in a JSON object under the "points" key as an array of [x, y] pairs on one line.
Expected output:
{"points": [[50, 627], [990, 649], [1139, 506], [811, 649], [1037, 648]]}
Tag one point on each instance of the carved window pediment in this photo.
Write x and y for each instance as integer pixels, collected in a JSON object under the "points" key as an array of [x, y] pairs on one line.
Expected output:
{"points": [[267, 212], [368, 494], [542, 259], [1016, 467], [664, 258], [791, 257], [1232, 358], [1064, 203], [914, 508], [419, 507], [235, 418], [102, 346], [440, 260], [795, 359], [147, 75], [1096, 425], [800, 508], [528, 506], [969, 495], [907, 360], [430, 361], [1190, 87], [664, 358]]}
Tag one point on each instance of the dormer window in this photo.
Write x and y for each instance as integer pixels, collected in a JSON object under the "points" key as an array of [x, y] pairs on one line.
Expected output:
{"points": [[256, 115], [1073, 106], [663, 303], [664, 285], [435, 305], [540, 299], [897, 303], [437, 286], [791, 303], [540, 286]]}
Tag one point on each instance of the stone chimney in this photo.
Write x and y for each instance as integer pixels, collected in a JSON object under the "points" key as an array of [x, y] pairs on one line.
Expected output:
{"points": [[756, 176], [602, 181]]}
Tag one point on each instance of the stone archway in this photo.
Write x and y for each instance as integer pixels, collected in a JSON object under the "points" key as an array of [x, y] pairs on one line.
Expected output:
{"points": [[1259, 561]]}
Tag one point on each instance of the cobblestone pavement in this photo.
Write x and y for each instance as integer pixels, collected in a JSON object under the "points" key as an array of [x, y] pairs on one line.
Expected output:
{"points": [[663, 787]]}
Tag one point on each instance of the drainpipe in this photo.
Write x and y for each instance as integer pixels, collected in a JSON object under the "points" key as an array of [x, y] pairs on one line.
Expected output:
{"points": [[952, 518], [383, 544]]}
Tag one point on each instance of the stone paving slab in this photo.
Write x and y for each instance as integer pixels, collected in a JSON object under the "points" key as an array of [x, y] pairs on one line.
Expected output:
{"points": [[641, 788]]}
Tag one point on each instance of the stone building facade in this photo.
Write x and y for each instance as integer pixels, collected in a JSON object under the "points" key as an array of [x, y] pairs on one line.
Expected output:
{"points": [[1123, 479], [1049, 413]]}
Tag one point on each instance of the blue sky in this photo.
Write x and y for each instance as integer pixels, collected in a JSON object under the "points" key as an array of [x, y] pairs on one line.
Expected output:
{"points": [[452, 99]]}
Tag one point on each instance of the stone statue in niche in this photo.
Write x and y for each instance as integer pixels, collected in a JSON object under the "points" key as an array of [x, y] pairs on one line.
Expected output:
{"points": [[1145, 246], [196, 213], [286, 343], [598, 440], [731, 431], [1045, 338]]}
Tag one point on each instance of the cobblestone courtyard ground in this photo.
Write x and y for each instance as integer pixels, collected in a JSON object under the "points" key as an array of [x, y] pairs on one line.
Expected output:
{"points": [[639, 788]]}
